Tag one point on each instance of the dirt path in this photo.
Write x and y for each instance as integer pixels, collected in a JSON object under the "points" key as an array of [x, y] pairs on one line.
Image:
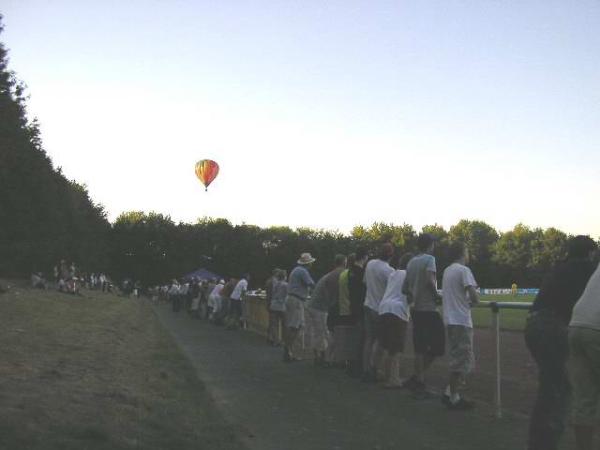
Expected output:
{"points": [[296, 406]]}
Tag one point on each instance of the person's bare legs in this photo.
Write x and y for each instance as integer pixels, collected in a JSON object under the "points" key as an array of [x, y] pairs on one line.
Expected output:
{"points": [[290, 337], [394, 379], [387, 367], [584, 437], [454, 383], [421, 364], [392, 370], [367, 350], [376, 356]]}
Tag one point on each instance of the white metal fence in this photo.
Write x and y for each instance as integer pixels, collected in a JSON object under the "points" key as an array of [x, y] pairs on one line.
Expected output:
{"points": [[496, 308]]}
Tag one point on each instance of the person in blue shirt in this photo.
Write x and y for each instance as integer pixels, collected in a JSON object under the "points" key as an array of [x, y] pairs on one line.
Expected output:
{"points": [[299, 285]]}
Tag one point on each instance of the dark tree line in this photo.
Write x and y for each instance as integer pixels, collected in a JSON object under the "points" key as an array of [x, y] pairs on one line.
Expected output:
{"points": [[152, 248], [44, 217]]}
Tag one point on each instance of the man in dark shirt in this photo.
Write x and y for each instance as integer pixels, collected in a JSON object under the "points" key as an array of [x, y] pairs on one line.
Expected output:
{"points": [[357, 291], [546, 338]]}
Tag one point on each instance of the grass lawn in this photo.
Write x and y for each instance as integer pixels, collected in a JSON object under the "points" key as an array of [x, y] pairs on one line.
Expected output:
{"points": [[510, 319], [98, 372]]}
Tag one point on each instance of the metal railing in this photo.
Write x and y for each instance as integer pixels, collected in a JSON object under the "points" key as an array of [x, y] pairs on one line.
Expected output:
{"points": [[495, 308]]}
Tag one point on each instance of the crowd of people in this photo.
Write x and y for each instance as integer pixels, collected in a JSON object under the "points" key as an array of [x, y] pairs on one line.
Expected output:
{"points": [[69, 279], [360, 311], [357, 316], [215, 300]]}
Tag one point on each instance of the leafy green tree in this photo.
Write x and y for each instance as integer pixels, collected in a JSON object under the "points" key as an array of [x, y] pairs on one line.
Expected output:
{"points": [[512, 252], [44, 217], [547, 248], [480, 238]]}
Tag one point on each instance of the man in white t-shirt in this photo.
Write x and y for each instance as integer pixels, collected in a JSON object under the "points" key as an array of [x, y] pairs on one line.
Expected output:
{"points": [[214, 302], [376, 275], [394, 314], [458, 294], [236, 302], [584, 362]]}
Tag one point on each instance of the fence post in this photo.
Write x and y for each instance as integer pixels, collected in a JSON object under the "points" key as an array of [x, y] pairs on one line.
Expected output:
{"points": [[496, 331]]}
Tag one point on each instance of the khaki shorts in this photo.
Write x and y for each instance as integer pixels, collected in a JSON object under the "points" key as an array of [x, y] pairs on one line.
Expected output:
{"points": [[294, 312], [316, 329], [460, 349], [584, 371]]}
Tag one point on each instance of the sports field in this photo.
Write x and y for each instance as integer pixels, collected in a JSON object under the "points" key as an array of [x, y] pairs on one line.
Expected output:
{"points": [[510, 319]]}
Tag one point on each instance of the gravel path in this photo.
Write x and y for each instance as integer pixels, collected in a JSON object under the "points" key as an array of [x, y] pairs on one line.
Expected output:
{"points": [[297, 406]]}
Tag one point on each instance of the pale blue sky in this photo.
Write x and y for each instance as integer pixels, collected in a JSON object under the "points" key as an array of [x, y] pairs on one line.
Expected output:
{"points": [[323, 114]]}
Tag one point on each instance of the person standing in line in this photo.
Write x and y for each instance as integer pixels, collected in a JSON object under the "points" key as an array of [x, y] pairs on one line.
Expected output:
{"points": [[226, 299], [546, 337], [214, 303], [341, 322], [344, 313], [584, 362], [429, 335], [299, 284], [376, 275], [357, 292], [174, 295], [195, 293], [269, 297], [277, 307], [393, 321], [236, 302], [459, 293], [324, 296]]}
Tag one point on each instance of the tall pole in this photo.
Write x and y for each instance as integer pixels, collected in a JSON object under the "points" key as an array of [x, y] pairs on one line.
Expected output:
{"points": [[496, 331]]}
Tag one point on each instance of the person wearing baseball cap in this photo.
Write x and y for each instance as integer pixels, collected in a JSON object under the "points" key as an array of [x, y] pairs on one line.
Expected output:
{"points": [[299, 284]]}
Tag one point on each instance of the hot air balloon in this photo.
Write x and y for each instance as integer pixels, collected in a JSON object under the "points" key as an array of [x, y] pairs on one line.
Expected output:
{"points": [[206, 171]]}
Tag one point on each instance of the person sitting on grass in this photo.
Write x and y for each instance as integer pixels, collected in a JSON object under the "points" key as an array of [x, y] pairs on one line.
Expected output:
{"points": [[38, 281], [393, 321], [458, 295]]}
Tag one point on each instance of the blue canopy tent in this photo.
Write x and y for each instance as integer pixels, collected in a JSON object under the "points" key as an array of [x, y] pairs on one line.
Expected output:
{"points": [[202, 274]]}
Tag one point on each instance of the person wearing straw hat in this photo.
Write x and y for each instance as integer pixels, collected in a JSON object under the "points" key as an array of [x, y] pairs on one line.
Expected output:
{"points": [[299, 284]]}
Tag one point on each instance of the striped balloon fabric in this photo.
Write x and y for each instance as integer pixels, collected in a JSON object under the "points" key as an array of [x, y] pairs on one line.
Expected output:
{"points": [[206, 171]]}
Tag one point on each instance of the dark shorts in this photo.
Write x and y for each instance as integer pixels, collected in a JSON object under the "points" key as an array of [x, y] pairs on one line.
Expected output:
{"points": [[391, 333], [429, 333]]}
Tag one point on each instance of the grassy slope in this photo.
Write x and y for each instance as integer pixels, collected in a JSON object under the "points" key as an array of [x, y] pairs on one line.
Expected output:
{"points": [[97, 372]]}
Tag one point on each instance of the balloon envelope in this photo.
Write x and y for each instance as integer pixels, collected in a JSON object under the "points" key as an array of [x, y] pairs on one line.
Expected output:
{"points": [[206, 171]]}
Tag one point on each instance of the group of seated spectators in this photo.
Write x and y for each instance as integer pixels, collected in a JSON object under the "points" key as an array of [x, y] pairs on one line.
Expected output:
{"points": [[68, 279]]}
